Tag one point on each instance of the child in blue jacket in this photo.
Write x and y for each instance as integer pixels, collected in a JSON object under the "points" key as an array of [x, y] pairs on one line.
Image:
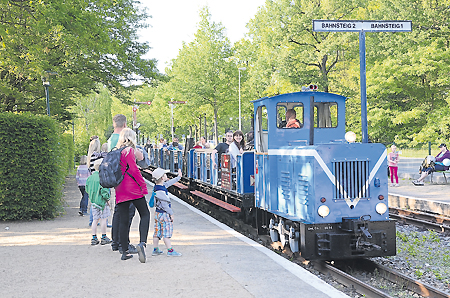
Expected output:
{"points": [[163, 212]]}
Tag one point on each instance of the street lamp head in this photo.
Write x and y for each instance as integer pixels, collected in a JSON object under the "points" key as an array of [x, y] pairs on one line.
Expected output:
{"points": [[242, 68]]}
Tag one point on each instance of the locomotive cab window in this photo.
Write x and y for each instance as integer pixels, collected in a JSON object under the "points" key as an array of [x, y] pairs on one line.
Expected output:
{"points": [[261, 126], [290, 115], [325, 114]]}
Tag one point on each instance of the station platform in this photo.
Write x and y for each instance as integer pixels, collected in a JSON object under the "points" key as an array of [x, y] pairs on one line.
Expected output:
{"points": [[55, 258], [432, 197]]}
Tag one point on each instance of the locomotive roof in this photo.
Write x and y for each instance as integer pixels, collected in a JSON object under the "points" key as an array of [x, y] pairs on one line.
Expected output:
{"points": [[318, 96]]}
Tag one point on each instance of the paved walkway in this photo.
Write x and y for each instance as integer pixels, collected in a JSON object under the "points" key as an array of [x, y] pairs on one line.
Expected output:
{"points": [[54, 258]]}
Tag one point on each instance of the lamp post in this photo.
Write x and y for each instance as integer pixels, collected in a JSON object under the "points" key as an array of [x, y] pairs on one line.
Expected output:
{"points": [[171, 119], [171, 103], [46, 83], [136, 125], [241, 68]]}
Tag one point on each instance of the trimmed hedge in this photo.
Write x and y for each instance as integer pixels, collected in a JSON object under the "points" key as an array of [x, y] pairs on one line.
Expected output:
{"points": [[35, 158]]}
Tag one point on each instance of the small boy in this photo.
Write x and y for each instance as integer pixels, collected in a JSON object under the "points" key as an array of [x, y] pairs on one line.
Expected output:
{"points": [[82, 174], [163, 212], [99, 197]]}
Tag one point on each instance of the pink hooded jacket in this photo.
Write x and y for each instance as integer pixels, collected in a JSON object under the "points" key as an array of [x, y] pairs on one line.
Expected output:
{"points": [[128, 189]]}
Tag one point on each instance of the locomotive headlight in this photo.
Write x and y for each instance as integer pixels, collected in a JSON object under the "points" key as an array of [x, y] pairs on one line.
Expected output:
{"points": [[350, 137], [323, 211], [381, 208]]}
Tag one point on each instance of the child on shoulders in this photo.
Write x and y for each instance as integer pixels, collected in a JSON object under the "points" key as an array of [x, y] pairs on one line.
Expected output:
{"points": [[164, 212]]}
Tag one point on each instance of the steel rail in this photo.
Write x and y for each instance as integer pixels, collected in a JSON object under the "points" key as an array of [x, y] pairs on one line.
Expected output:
{"points": [[410, 283], [421, 219], [349, 281]]}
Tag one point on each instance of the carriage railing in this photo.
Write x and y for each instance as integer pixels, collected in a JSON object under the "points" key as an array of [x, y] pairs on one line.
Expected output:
{"points": [[351, 179], [171, 160], [201, 166]]}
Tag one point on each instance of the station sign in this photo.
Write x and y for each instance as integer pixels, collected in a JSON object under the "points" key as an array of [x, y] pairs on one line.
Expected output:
{"points": [[356, 26]]}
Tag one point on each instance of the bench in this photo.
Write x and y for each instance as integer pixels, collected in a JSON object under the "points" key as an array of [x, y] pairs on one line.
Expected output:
{"points": [[180, 185], [215, 201], [148, 171], [443, 173]]}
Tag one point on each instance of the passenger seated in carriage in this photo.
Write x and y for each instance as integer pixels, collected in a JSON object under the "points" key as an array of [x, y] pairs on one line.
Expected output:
{"points": [[432, 164], [236, 147]]}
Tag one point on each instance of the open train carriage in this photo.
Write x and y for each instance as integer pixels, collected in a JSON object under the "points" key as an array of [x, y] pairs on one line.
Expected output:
{"points": [[322, 195]]}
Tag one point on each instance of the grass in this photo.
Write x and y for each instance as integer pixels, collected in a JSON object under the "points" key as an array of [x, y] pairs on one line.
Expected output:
{"points": [[415, 153], [425, 254]]}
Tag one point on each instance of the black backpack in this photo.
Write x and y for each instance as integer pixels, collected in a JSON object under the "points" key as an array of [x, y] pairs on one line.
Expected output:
{"points": [[109, 170]]}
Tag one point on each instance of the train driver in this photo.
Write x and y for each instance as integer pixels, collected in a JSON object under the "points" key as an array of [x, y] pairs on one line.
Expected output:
{"points": [[291, 118]]}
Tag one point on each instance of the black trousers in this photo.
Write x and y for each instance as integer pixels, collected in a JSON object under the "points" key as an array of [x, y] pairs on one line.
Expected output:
{"points": [[116, 221], [124, 225]]}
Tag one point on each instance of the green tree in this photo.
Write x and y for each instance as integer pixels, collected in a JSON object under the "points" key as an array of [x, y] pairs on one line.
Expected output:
{"points": [[288, 54], [84, 42], [92, 116], [408, 78], [203, 72]]}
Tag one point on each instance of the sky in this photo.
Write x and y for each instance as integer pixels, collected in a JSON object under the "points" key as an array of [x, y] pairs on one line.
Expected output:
{"points": [[175, 21]]}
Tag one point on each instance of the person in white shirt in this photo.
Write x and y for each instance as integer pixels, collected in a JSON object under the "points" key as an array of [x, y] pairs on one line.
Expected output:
{"points": [[236, 147]]}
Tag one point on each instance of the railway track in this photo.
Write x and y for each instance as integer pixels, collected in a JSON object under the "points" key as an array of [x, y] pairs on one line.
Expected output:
{"points": [[326, 268], [340, 271], [424, 220]]}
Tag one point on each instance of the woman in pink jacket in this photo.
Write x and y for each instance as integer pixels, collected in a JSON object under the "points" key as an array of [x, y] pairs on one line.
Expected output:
{"points": [[132, 189]]}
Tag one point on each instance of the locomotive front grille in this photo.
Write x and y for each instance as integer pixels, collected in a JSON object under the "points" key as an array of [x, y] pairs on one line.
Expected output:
{"points": [[351, 179]]}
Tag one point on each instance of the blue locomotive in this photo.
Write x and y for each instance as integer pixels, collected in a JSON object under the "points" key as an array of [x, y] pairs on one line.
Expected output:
{"points": [[304, 184]]}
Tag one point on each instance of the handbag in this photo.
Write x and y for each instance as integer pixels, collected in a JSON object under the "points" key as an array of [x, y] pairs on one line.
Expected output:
{"points": [[151, 202]]}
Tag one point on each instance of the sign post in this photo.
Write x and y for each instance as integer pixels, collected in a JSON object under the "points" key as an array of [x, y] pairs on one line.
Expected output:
{"points": [[362, 27]]}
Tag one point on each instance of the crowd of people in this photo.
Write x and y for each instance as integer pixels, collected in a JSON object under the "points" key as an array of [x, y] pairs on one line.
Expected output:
{"points": [[129, 195]]}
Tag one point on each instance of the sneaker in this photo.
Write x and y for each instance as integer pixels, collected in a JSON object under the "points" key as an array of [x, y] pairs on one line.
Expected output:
{"points": [[105, 240], [94, 241], [126, 256], [396, 185], [157, 252], [114, 246], [141, 252], [173, 254], [80, 213], [131, 249]]}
